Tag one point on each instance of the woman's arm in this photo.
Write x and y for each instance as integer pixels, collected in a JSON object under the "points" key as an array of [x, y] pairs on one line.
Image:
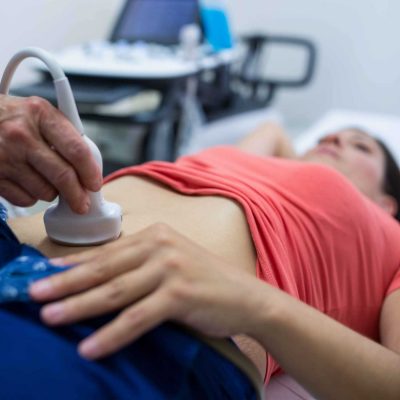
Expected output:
{"points": [[390, 322], [327, 358], [269, 139], [158, 275]]}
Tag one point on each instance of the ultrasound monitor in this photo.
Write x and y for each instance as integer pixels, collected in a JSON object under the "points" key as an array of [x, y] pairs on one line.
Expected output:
{"points": [[155, 21]]}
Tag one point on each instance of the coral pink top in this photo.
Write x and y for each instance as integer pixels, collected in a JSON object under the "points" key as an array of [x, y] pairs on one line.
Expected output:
{"points": [[316, 236]]}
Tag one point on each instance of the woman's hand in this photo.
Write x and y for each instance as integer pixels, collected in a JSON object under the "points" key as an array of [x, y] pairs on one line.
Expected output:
{"points": [[152, 276], [268, 140]]}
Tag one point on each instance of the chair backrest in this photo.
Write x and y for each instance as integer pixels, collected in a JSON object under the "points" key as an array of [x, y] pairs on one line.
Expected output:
{"points": [[245, 87]]}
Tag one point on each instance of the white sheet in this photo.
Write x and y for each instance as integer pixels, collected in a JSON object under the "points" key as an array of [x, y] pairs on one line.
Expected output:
{"points": [[228, 130]]}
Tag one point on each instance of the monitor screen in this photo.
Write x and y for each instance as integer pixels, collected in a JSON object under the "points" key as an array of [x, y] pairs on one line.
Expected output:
{"points": [[158, 21]]}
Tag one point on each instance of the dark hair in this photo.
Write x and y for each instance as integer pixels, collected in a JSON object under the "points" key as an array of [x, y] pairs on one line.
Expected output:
{"points": [[391, 180], [391, 184]]}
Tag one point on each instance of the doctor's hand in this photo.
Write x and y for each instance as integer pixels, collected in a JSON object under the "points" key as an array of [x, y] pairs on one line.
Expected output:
{"points": [[42, 155], [152, 276]]}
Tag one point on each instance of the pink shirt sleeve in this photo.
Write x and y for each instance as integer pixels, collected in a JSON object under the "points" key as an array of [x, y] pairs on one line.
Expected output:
{"points": [[395, 283]]}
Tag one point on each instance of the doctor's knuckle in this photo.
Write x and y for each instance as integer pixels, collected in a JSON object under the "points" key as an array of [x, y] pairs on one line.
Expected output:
{"points": [[25, 202], [46, 192], [16, 132], [19, 199], [78, 151], [63, 176], [36, 104]]}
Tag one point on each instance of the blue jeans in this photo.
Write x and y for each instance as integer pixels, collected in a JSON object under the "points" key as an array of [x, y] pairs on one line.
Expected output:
{"points": [[39, 362]]}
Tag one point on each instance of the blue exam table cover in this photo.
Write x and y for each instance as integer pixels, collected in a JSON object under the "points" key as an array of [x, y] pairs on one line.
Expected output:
{"points": [[39, 362]]}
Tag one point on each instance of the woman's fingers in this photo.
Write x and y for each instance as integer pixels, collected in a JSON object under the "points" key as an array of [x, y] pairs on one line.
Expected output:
{"points": [[99, 265], [98, 253], [85, 256], [102, 268], [115, 294], [153, 276], [128, 326]]}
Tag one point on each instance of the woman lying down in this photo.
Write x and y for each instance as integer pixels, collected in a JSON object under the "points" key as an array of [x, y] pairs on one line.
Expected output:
{"points": [[296, 260]]}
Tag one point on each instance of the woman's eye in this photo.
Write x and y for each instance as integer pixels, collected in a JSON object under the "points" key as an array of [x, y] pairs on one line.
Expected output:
{"points": [[363, 147]]}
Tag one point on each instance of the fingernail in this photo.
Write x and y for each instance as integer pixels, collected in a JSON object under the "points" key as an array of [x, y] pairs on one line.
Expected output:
{"points": [[89, 348], [85, 207], [99, 183], [57, 262], [53, 312], [41, 288], [96, 183]]}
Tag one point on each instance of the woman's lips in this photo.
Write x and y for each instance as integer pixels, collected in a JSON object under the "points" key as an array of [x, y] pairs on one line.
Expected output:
{"points": [[328, 150]]}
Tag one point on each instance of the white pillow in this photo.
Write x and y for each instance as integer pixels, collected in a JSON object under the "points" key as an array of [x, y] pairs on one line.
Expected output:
{"points": [[385, 127]]}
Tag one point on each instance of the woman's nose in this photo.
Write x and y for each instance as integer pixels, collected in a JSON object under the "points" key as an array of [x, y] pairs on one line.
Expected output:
{"points": [[333, 138]]}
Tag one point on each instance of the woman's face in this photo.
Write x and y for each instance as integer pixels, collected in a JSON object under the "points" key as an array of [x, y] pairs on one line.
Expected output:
{"points": [[357, 156]]}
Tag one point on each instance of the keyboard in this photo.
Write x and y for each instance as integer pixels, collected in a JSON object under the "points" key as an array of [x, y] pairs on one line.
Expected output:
{"points": [[123, 60]]}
